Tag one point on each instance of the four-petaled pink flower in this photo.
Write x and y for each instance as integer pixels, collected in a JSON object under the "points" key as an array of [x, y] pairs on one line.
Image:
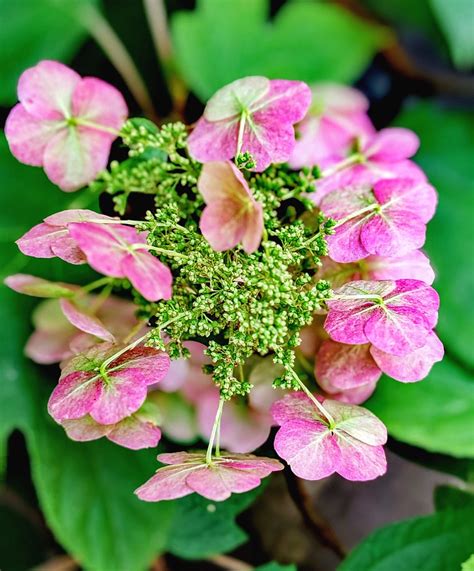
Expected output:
{"points": [[254, 115], [186, 473], [336, 117], [107, 388], [232, 215], [350, 443], [388, 220], [395, 316], [121, 252], [64, 123]]}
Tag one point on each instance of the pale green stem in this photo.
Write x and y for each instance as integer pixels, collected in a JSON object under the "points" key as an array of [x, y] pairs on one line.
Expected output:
{"points": [[96, 284], [118, 354], [349, 161], [159, 250], [93, 125], [240, 138], [103, 33], [305, 389], [215, 428]]}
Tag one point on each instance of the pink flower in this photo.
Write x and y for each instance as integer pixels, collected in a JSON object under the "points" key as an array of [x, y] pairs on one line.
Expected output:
{"points": [[120, 251], [415, 266], [389, 220], [350, 444], [232, 215], [38, 287], [64, 123], [395, 316], [140, 430], [336, 117], [254, 115], [382, 156], [106, 387], [186, 473]]}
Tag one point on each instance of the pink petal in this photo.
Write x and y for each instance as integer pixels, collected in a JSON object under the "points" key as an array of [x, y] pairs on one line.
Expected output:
{"points": [[222, 180], [258, 465], [340, 204], [285, 102], [75, 156], [357, 422], [253, 229], [359, 461], [169, 483], [148, 275], [147, 365], [135, 434], [353, 295], [412, 367], [84, 429], [293, 406], [213, 141], [393, 144], [309, 448], [230, 100], [338, 98], [346, 245], [358, 395], [99, 102], [84, 322], [28, 137], [65, 217], [221, 224], [415, 294], [37, 242], [407, 195], [175, 458], [46, 89], [393, 232], [414, 265], [217, 482], [46, 348], [74, 396], [343, 367], [38, 287], [120, 397], [348, 327]]}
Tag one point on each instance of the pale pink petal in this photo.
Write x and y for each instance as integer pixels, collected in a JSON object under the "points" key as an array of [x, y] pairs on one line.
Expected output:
{"points": [[309, 448], [358, 395], [341, 367], [84, 429], [398, 331], [293, 406], [268, 141], [345, 245], [339, 98], [217, 482], [221, 224], [99, 102], [37, 242], [414, 366], [66, 249], [401, 194], [253, 229], [65, 217], [340, 204], [175, 458], [360, 462], [28, 137], [393, 144], [38, 287], [46, 90], [230, 100], [415, 294], [169, 483], [120, 397], [46, 348], [393, 232], [355, 295], [75, 156], [259, 465], [414, 265], [356, 421], [84, 322], [222, 180], [74, 396], [148, 275], [135, 434]]}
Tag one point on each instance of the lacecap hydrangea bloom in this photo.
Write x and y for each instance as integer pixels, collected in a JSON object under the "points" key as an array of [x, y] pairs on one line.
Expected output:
{"points": [[279, 275]]}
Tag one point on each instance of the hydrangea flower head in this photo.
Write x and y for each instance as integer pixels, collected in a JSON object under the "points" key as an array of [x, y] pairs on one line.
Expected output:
{"points": [[350, 444], [64, 123], [187, 473], [254, 115], [232, 215]]}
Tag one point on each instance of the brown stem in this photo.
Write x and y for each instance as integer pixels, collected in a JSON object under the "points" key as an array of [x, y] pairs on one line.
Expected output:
{"points": [[58, 563], [314, 521], [229, 563]]}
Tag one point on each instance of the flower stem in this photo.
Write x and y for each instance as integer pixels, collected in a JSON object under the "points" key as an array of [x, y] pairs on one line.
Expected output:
{"points": [[103, 33], [309, 394], [215, 429], [347, 162], [118, 354], [96, 284]]}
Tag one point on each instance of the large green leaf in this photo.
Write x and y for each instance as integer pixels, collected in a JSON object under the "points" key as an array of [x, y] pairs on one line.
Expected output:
{"points": [[275, 567], [436, 413], [456, 19], [446, 154], [32, 30], [202, 528], [449, 497], [223, 40], [441, 542]]}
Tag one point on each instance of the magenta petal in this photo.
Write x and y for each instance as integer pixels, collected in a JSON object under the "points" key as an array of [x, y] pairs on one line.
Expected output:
{"points": [[359, 461], [28, 137], [393, 144], [407, 195], [84, 322], [309, 448], [217, 482], [74, 396], [135, 434], [84, 429], [348, 327], [346, 245], [148, 275], [417, 295], [341, 367], [397, 331], [169, 483], [213, 141], [46, 89], [414, 366]]}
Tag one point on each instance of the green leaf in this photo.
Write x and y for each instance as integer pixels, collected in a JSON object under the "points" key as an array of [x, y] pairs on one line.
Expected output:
{"points": [[276, 567], [86, 492], [435, 413], [203, 528], [447, 148], [468, 565], [456, 19], [33, 30], [223, 40], [440, 542], [449, 497]]}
